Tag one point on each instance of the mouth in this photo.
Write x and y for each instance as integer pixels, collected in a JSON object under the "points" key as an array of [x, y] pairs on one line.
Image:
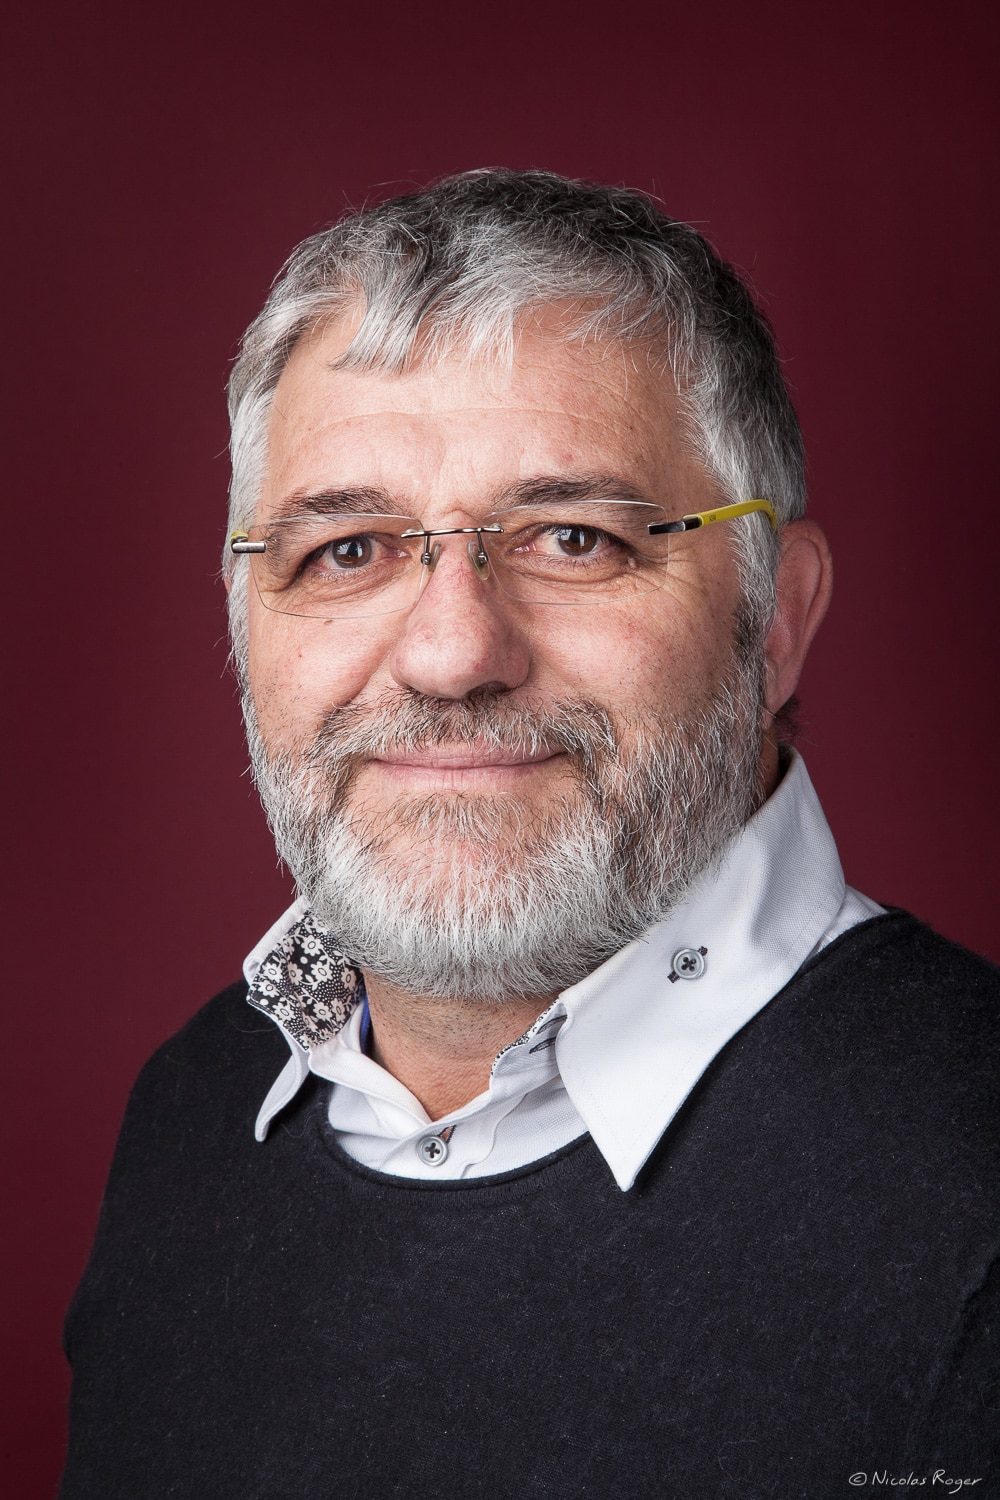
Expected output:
{"points": [[464, 764]]}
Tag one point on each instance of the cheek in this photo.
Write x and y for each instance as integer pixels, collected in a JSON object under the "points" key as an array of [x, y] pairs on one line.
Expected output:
{"points": [[656, 659], [299, 670]]}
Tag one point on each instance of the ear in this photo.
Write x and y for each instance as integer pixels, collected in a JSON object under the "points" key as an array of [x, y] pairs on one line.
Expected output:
{"points": [[803, 588]]}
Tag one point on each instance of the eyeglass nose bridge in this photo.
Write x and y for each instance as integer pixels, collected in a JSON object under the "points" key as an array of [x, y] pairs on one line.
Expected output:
{"points": [[430, 554]]}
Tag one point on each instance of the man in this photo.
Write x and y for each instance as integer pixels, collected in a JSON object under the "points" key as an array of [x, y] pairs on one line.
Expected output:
{"points": [[584, 1135]]}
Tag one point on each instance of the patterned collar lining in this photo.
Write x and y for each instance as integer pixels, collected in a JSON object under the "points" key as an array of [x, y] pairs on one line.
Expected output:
{"points": [[307, 984]]}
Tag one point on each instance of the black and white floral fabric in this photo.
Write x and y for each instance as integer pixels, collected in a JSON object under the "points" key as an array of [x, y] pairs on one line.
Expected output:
{"points": [[307, 984]]}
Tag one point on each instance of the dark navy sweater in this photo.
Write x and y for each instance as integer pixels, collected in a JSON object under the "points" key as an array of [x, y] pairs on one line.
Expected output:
{"points": [[801, 1286]]}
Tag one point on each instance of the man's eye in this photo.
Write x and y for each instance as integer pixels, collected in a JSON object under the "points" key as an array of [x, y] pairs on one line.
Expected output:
{"points": [[569, 539], [577, 541], [344, 554], [351, 552]]}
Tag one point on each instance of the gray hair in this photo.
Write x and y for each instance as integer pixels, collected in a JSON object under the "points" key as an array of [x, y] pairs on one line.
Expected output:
{"points": [[456, 267]]}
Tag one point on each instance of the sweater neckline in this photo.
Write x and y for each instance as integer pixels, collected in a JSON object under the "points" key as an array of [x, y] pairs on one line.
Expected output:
{"points": [[578, 1157]]}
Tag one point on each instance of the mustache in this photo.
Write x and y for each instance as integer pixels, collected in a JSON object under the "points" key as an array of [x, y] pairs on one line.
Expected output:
{"points": [[405, 721]]}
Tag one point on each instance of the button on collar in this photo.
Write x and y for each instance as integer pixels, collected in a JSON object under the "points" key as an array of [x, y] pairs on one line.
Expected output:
{"points": [[687, 963], [433, 1149]]}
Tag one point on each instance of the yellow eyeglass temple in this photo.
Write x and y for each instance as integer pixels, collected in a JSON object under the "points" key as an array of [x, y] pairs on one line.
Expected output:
{"points": [[722, 513]]}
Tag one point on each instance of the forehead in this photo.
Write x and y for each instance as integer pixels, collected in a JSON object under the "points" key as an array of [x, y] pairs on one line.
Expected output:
{"points": [[456, 429]]}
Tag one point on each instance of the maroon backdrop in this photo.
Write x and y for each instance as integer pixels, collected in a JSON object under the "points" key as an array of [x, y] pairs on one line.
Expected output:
{"points": [[164, 168]]}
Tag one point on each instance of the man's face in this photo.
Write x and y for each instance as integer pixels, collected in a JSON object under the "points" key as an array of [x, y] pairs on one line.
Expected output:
{"points": [[444, 444], [447, 443]]}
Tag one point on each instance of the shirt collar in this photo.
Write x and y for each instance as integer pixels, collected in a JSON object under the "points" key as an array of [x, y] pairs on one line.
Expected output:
{"points": [[302, 982], [301, 979], [639, 1031]]}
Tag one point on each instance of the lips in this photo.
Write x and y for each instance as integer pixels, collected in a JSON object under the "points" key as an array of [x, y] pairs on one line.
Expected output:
{"points": [[465, 757]]}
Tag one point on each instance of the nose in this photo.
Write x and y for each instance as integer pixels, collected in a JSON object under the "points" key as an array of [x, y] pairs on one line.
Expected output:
{"points": [[460, 635]]}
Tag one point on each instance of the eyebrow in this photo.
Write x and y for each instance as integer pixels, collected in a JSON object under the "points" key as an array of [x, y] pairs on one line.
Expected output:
{"points": [[363, 500], [546, 489]]}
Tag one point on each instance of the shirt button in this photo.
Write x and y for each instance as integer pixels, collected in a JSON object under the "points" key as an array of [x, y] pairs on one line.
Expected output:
{"points": [[688, 963], [432, 1150]]}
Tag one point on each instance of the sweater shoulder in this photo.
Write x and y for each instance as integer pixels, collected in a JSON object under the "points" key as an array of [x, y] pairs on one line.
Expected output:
{"points": [[900, 931], [221, 1062], [226, 1024], [908, 968], [893, 1025]]}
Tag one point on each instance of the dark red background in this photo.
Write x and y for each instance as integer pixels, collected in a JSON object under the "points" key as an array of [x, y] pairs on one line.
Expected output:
{"points": [[164, 167]]}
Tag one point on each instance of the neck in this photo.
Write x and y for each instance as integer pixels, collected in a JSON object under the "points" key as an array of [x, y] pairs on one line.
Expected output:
{"points": [[443, 1050], [769, 771]]}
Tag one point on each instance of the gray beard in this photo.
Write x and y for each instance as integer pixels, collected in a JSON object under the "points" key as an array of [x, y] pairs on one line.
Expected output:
{"points": [[468, 897]]}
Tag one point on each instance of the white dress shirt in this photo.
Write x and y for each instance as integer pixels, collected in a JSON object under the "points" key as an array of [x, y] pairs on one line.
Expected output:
{"points": [[615, 1055]]}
